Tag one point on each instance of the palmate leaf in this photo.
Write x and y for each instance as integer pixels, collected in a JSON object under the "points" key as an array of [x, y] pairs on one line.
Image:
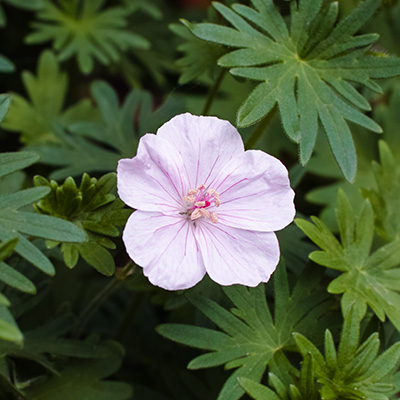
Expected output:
{"points": [[354, 370], [250, 336], [18, 224], [81, 149], [307, 70], [367, 279], [34, 119], [92, 207], [86, 30]]}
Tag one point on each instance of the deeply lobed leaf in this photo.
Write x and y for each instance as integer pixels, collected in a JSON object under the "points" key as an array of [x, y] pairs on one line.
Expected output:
{"points": [[307, 71], [366, 279]]}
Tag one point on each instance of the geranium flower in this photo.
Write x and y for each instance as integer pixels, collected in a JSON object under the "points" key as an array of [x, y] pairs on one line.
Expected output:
{"points": [[204, 205]]}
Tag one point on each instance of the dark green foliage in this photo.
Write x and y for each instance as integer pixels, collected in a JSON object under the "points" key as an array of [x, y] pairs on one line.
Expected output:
{"points": [[88, 363], [86, 30], [93, 208], [308, 70], [352, 371], [35, 119], [97, 144], [106, 72], [15, 223], [288, 384], [250, 336], [366, 279]]}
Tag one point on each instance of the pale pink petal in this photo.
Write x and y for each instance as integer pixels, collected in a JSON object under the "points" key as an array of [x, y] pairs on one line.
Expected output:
{"points": [[236, 256], [206, 144], [164, 245], [154, 180], [255, 193]]}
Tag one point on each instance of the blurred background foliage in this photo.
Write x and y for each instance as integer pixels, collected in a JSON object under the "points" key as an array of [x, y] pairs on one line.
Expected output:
{"points": [[82, 81]]}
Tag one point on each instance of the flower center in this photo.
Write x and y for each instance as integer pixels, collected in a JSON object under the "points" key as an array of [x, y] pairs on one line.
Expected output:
{"points": [[197, 201]]}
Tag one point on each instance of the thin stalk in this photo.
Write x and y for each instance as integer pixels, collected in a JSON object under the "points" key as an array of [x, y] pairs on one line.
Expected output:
{"points": [[101, 296], [213, 91], [262, 126]]}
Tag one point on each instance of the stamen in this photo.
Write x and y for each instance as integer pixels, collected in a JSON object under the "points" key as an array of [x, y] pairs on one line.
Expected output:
{"points": [[197, 202], [196, 214], [189, 199], [204, 212]]}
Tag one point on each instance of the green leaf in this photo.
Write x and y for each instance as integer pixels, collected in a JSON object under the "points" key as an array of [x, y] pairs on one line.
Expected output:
{"points": [[250, 337], [11, 162], [4, 104], [15, 279], [87, 31], [9, 330], [96, 146], [35, 119], [91, 207], [288, 383], [308, 72], [357, 372], [6, 65], [84, 379], [257, 391], [366, 279]]}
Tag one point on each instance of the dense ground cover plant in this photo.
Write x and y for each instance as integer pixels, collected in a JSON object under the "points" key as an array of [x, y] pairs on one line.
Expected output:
{"points": [[149, 154]]}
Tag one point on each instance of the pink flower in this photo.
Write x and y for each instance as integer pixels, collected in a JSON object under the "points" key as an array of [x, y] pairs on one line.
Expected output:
{"points": [[203, 205]]}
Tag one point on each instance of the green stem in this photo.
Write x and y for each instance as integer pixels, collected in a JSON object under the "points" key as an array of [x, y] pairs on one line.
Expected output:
{"points": [[101, 296], [213, 91], [262, 126]]}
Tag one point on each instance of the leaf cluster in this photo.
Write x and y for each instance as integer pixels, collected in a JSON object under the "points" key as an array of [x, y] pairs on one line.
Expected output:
{"points": [[87, 30], [93, 208], [250, 335], [353, 370]]}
